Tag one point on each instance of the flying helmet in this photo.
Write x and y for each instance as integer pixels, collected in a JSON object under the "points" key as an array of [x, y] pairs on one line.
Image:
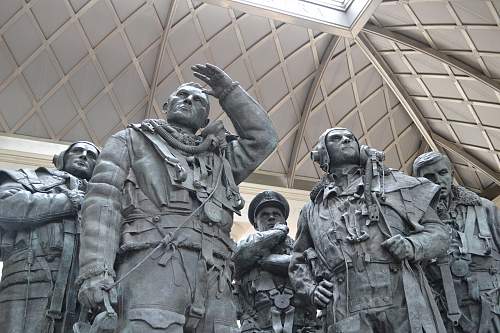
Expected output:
{"points": [[320, 154], [58, 159]]}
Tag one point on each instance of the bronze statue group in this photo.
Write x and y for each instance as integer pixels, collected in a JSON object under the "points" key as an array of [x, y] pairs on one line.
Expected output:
{"points": [[135, 237]]}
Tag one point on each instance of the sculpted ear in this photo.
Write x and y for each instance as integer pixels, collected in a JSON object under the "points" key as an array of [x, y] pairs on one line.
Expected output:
{"points": [[206, 122]]}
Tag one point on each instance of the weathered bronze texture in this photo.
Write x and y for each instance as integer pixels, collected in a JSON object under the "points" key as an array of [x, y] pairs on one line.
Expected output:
{"points": [[39, 228], [266, 298], [361, 240], [159, 210], [467, 280]]}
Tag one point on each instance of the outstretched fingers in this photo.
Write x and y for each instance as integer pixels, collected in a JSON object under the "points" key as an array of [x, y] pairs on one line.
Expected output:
{"points": [[202, 77], [203, 69]]}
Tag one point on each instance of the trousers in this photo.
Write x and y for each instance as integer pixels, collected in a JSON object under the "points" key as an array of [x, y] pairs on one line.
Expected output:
{"points": [[157, 298]]}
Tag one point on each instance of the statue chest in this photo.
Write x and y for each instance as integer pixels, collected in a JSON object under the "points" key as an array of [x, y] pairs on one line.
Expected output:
{"points": [[341, 229], [174, 180]]}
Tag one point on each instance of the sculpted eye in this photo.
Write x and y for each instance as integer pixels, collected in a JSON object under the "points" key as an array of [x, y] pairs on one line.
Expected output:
{"points": [[182, 94], [197, 98]]}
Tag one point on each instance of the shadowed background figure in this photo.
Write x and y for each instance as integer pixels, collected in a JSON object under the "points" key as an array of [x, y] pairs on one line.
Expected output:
{"points": [[468, 279], [361, 239], [265, 295], [159, 211], [39, 228]]}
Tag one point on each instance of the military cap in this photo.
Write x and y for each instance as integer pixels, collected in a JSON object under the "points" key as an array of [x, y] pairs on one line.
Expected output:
{"points": [[265, 198]]}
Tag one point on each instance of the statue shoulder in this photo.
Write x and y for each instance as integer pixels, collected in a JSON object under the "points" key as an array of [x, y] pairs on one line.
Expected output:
{"points": [[31, 178], [9, 176], [396, 181]]}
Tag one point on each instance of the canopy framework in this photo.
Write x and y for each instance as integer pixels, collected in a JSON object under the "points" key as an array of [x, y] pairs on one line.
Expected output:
{"points": [[88, 68]]}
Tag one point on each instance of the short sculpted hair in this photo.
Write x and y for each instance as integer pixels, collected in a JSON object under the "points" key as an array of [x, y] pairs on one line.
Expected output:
{"points": [[428, 159], [190, 84]]}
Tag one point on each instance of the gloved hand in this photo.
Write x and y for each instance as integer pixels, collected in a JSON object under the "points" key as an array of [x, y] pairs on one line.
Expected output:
{"points": [[400, 247], [76, 198], [94, 289], [281, 226], [323, 294], [215, 77]]}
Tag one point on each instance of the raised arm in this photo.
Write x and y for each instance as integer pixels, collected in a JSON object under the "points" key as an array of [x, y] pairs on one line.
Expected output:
{"points": [[257, 137]]}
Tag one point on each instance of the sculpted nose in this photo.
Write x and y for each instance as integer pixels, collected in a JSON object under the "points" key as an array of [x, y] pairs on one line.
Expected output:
{"points": [[189, 100], [346, 139]]}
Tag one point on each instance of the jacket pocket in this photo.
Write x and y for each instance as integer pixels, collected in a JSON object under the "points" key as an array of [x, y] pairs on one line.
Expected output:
{"points": [[373, 287]]}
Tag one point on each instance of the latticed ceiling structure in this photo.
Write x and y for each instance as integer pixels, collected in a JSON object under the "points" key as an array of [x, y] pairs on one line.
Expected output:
{"points": [[421, 75]]}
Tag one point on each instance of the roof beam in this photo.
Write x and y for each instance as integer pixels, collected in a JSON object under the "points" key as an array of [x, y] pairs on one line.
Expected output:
{"points": [[459, 150], [432, 139], [397, 88], [325, 59], [159, 58], [436, 54]]}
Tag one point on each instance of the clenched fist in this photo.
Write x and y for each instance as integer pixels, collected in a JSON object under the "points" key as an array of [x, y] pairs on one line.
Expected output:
{"points": [[323, 294]]}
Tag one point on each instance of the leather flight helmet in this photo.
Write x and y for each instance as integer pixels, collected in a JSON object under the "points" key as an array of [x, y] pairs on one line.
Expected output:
{"points": [[320, 153], [58, 159], [266, 198]]}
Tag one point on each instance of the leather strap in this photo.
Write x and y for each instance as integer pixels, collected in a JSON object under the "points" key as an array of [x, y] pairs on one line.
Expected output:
{"points": [[287, 325], [180, 176], [484, 230], [485, 322], [56, 302], [409, 286], [71, 312], [454, 314], [197, 308], [470, 224]]}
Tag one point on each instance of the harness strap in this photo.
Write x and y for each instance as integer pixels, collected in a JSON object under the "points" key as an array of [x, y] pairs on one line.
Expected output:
{"points": [[169, 158], [197, 309], [71, 312], [470, 222], [56, 302], [411, 288], [453, 313], [287, 325], [485, 323], [484, 230]]}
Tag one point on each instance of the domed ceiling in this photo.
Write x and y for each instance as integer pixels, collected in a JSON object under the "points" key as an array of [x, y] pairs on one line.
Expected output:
{"points": [[421, 75]]}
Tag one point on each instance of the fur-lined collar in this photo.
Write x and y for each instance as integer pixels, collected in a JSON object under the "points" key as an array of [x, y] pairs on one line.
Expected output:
{"points": [[463, 196]]}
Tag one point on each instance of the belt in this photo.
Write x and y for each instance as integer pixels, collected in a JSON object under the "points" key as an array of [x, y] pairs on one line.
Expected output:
{"points": [[172, 221]]}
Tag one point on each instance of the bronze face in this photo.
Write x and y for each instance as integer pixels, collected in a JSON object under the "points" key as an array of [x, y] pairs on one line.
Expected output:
{"points": [[268, 217], [342, 148], [441, 174], [188, 107], [80, 160]]}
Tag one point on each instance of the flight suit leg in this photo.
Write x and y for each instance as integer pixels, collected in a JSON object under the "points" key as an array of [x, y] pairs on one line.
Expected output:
{"points": [[220, 316], [155, 297]]}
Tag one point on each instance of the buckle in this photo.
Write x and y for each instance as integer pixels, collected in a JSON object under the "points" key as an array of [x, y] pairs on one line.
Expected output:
{"points": [[54, 315], [196, 312]]}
